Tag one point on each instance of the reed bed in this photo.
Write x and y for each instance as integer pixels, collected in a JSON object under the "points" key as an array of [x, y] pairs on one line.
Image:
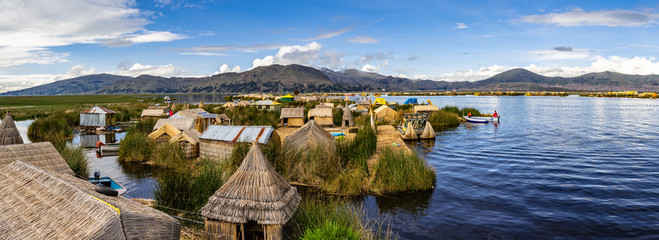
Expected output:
{"points": [[354, 153], [462, 111], [188, 188], [313, 166], [398, 171], [334, 219], [252, 116], [135, 147], [55, 127], [443, 119]]}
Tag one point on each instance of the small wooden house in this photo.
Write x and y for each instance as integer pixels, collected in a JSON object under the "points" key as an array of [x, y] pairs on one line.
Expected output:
{"points": [[218, 141], [291, 117], [268, 105], [41, 198], [425, 109], [237, 211], [155, 112], [8, 132], [347, 120], [97, 117], [322, 116]]}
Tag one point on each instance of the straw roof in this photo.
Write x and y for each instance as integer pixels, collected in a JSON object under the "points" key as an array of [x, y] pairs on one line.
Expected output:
{"points": [[320, 112], [224, 117], [42, 155], [188, 113], [425, 108], [190, 135], [292, 113], [167, 129], [254, 192], [229, 105], [8, 132], [385, 113], [155, 111], [311, 135], [243, 103], [39, 205], [180, 123]]}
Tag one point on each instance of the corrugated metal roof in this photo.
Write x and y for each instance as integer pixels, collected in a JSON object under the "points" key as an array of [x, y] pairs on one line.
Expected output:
{"points": [[98, 110], [208, 115], [238, 133], [266, 102]]}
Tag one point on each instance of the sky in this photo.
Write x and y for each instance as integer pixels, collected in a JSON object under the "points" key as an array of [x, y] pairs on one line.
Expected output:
{"points": [[45, 41]]}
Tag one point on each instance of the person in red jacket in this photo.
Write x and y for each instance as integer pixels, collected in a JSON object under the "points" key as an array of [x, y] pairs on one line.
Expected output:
{"points": [[469, 114], [495, 115]]}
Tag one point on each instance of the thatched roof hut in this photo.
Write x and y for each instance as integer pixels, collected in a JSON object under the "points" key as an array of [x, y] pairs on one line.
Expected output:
{"points": [[347, 120], [180, 123], [425, 108], [189, 141], [164, 133], [309, 136], [51, 206], [188, 113], [224, 119], [155, 112], [385, 114], [255, 198], [323, 116], [229, 105], [97, 117], [8, 132], [291, 117]]}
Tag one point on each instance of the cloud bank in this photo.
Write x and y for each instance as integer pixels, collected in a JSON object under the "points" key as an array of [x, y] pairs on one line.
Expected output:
{"points": [[579, 17]]}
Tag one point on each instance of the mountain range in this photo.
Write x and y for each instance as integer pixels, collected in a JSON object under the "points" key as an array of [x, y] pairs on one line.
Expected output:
{"points": [[281, 79]]}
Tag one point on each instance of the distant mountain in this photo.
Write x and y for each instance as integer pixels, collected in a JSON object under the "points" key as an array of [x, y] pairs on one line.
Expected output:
{"points": [[79, 85], [280, 79]]}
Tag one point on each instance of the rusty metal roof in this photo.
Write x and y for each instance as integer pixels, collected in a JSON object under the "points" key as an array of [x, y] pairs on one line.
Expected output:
{"points": [[238, 133]]}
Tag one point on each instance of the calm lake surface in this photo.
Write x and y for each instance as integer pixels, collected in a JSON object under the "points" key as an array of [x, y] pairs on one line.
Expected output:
{"points": [[554, 168]]}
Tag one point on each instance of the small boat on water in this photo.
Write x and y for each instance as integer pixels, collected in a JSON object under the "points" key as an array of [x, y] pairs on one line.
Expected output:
{"points": [[481, 119], [109, 149], [107, 182]]}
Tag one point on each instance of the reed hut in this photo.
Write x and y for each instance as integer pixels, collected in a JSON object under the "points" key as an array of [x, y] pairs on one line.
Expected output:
{"points": [[224, 119], [41, 198], [243, 103], [8, 132], [97, 117], [322, 116], [291, 117], [426, 109], [333, 98], [254, 203], [218, 141], [347, 120], [309, 136], [268, 105], [180, 124], [155, 112], [189, 142], [311, 99], [188, 113], [325, 105], [201, 104], [164, 133], [229, 105], [385, 114]]}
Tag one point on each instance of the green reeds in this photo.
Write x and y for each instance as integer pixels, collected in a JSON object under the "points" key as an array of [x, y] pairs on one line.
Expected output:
{"points": [[188, 188], [144, 126], [253, 117], [329, 230], [55, 127], [135, 147], [462, 111], [311, 166], [75, 158], [398, 171], [443, 119], [354, 153], [168, 154]]}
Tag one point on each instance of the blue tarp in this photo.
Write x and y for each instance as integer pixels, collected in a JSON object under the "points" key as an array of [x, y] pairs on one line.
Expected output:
{"points": [[411, 101], [336, 134]]}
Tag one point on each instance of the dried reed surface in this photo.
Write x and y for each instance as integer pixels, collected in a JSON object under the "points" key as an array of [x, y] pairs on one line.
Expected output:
{"points": [[178, 123], [291, 113], [387, 136], [254, 192], [39, 205], [42, 155], [309, 136], [8, 132]]}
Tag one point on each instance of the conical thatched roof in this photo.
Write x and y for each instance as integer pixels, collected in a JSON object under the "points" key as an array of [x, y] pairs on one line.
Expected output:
{"points": [[310, 135], [39, 205], [347, 116], [254, 192], [8, 132], [42, 155]]}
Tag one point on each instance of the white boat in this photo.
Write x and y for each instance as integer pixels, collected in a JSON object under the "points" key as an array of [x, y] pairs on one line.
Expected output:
{"points": [[481, 119], [110, 149]]}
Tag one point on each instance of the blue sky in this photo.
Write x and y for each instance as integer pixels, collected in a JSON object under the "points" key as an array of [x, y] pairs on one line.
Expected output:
{"points": [[439, 40]]}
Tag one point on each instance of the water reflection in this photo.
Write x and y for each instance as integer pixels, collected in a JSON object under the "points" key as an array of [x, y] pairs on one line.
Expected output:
{"points": [[415, 204]]}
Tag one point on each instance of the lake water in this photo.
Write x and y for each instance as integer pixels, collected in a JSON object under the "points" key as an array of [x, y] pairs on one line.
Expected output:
{"points": [[554, 168]]}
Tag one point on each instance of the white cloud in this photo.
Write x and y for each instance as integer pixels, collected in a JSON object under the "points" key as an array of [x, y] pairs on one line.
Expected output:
{"points": [[579, 17], [364, 39], [17, 82], [225, 69], [461, 25], [635, 65], [214, 50], [296, 54], [31, 27], [328, 34], [369, 68], [137, 69]]}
